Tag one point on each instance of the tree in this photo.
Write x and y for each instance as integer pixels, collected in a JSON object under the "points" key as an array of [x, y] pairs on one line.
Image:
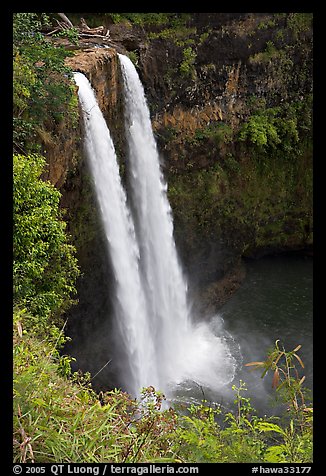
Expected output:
{"points": [[43, 89], [45, 267]]}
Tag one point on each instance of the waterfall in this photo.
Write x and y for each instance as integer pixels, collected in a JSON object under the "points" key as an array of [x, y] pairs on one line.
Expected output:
{"points": [[130, 303], [165, 286], [165, 348], [184, 351]]}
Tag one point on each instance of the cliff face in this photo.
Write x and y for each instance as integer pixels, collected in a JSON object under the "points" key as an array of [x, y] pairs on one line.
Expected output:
{"points": [[100, 66], [230, 99]]}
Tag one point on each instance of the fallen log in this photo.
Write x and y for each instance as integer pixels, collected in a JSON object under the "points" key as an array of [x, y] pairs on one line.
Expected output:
{"points": [[82, 30]]}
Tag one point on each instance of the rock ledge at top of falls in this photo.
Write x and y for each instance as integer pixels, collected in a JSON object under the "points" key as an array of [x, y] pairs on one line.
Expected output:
{"points": [[88, 59], [100, 66]]}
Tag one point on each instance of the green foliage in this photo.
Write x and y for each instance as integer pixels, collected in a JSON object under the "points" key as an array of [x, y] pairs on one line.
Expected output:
{"points": [[209, 436], [134, 56], [203, 37], [186, 67], [272, 128], [260, 130], [296, 435], [206, 435], [24, 80], [197, 436], [71, 34], [267, 55], [26, 27], [142, 19], [218, 132], [42, 84], [286, 378], [272, 55], [61, 420], [264, 25], [45, 268], [180, 35]]}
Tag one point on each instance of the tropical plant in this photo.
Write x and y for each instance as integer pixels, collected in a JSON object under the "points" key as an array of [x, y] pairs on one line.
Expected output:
{"points": [[45, 267], [43, 90], [293, 441], [59, 418], [187, 68]]}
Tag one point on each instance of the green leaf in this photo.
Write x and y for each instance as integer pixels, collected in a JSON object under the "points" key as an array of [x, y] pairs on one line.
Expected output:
{"points": [[266, 426], [274, 454]]}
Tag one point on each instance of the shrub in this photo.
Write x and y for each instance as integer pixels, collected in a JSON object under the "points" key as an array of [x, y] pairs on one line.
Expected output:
{"points": [[187, 65], [45, 267], [273, 127], [260, 130], [43, 89], [207, 435], [62, 420], [299, 22]]}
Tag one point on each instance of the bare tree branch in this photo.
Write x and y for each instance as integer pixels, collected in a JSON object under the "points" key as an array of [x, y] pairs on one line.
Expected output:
{"points": [[65, 19]]}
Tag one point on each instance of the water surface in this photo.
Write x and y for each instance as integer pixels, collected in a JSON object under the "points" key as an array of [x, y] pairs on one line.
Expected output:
{"points": [[274, 302]]}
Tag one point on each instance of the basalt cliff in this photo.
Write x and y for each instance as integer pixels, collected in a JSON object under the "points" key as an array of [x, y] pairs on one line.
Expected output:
{"points": [[230, 97]]}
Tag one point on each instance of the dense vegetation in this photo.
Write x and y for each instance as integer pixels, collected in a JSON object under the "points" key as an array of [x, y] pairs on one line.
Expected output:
{"points": [[58, 417], [42, 90]]}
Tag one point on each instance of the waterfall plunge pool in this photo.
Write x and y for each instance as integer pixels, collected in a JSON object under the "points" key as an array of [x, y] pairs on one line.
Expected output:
{"points": [[274, 302]]}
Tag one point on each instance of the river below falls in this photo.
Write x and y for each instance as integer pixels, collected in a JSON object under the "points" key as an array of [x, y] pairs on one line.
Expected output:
{"points": [[274, 302]]}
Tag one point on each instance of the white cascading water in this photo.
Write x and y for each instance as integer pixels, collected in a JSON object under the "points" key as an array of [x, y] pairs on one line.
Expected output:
{"points": [[183, 351], [130, 302], [165, 286], [165, 349]]}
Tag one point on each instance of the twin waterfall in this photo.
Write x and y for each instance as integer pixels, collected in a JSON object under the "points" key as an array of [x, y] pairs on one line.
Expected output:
{"points": [[164, 348]]}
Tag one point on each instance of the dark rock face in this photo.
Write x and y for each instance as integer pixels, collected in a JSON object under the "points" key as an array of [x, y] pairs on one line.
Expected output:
{"points": [[232, 198], [101, 67]]}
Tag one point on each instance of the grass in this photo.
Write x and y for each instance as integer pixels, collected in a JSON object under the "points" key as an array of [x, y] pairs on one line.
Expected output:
{"points": [[60, 419]]}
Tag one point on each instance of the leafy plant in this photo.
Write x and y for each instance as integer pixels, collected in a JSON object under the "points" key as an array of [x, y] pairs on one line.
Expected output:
{"points": [[45, 268], [296, 438], [299, 22], [272, 128], [179, 34], [209, 436], [42, 84], [187, 65], [60, 419], [150, 19], [71, 34], [260, 130]]}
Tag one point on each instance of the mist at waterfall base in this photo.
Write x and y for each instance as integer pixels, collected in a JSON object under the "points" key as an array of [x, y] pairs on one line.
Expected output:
{"points": [[153, 325]]}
